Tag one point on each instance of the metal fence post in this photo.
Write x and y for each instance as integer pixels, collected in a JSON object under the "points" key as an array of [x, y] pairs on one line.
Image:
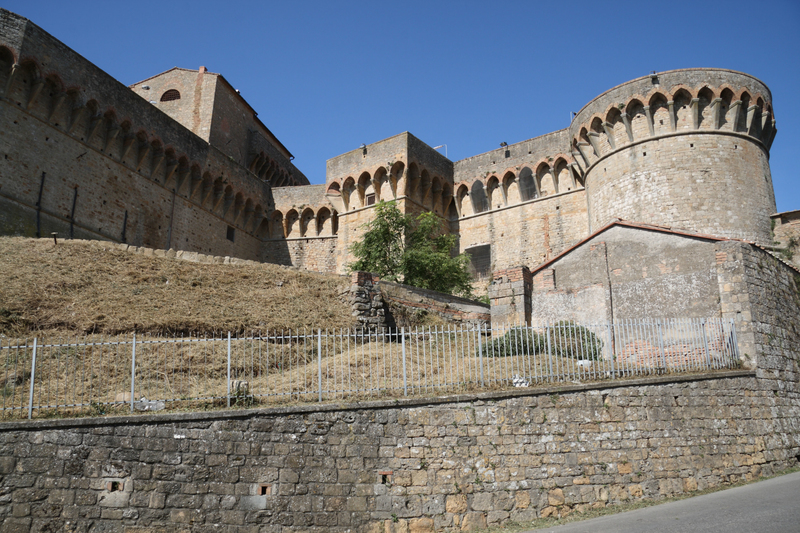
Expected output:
{"points": [[133, 371], [319, 361], [705, 342], [229, 369], [661, 346], [403, 344], [33, 378], [736, 355], [549, 351], [480, 353], [609, 325]]}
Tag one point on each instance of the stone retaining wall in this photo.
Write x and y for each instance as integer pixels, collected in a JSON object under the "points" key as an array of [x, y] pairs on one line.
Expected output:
{"points": [[462, 462]]}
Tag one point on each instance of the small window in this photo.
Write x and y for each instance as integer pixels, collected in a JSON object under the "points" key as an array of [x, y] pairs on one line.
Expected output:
{"points": [[231, 233], [371, 199], [170, 95]]}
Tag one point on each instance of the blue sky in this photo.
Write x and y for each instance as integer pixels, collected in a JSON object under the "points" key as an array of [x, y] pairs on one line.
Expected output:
{"points": [[328, 76]]}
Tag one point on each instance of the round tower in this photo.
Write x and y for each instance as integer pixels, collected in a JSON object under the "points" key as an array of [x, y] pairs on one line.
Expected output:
{"points": [[685, 148]]}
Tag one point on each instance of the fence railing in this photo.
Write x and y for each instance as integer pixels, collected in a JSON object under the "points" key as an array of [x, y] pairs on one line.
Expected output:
{"points": [[97, 375]]}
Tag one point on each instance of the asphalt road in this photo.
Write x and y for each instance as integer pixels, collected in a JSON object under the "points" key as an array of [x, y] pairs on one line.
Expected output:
{"points": [[771, 506]]}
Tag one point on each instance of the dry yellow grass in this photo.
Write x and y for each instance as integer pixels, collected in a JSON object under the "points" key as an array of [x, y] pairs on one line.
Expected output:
{"points": [[84, 287]]}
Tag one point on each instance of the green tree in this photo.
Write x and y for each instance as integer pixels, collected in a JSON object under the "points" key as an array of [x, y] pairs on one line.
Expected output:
{"points": [[412, 250]]}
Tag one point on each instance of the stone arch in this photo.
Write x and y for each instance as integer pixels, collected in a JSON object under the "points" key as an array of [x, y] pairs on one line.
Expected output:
{"points": [[382, 184], [238, 206], [618, 136], [659, 111], [412, 181], [307, 223], [683, 109], [276, 227], [324, 222], [464, 208], [433, 200], [704, 110], [348, 190], [545, 180], [248, 212], [396, 181], [227, 203], [26, 75], [204, 190], [528, 188], [741, 124], [637, 117], [291, 223], [602, 144], [494, 193], [424, 186], [262, 231], [563, 177], [447, 197], [334, 195], [511, 188], [365, 188], [217, 192], [480, 202]]}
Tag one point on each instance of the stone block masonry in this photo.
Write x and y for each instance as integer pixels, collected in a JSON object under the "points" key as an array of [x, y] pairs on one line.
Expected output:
{"points": [[461, 462]]}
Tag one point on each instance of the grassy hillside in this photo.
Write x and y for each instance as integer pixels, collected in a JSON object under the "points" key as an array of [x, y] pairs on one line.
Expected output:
{"points": [[92, 287]]}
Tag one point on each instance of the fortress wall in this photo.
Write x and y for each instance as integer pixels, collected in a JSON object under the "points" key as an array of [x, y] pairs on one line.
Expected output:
{"points": [[714, 184], [529, 152], [464, 462], [121, 152], [106, 189], [318, 254], [529, 233], [353, 163]]}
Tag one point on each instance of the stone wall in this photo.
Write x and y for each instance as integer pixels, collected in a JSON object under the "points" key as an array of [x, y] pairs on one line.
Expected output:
{"points": [[379, 304], [413, 301], [462, 462], [786, 235]]}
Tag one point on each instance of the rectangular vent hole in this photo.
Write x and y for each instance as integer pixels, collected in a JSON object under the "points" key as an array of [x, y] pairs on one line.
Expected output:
{"points": [[265, 489], [115, 486]]}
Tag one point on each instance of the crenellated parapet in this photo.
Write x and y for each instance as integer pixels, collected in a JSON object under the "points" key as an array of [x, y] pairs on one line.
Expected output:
{"points": [[515, 174], [673, 103], [68, 94], [685, 148]]}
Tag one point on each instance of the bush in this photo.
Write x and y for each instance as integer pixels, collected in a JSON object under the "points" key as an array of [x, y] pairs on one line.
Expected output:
{"points": [[566, 339]]}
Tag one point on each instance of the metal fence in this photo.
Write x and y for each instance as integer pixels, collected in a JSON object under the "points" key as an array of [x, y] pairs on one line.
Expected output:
{"points": [[98, 375]]}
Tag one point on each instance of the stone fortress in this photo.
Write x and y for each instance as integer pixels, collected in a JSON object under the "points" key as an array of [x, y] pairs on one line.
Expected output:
{"points": [[181, 161]]}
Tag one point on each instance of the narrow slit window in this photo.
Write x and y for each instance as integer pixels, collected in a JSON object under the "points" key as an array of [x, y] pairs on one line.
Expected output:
{"points": [[231, 233]]}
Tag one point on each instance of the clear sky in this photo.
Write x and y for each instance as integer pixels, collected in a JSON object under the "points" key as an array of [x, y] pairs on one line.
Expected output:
{"points": [[326, 76]]}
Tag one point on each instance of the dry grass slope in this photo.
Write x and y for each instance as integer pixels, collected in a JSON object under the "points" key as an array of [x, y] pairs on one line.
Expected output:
{"points": [[82, 287]]}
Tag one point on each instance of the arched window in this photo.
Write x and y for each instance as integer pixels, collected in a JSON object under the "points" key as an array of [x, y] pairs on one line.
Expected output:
{"points": [[170, 95]]}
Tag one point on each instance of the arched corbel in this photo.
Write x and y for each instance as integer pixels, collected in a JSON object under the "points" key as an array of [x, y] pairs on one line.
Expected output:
{"points": [[695, 106], [650, 126], [627, 122], [673, 118], [77, 116], [716, 104], [14, 69], [37, 88], [59, 102]]}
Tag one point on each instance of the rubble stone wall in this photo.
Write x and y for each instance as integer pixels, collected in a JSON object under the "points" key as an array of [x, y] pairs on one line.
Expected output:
{"points": [[462, 462]]}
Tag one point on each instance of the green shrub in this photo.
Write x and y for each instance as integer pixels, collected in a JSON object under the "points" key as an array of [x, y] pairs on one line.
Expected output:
{"points": [[566, 339]]}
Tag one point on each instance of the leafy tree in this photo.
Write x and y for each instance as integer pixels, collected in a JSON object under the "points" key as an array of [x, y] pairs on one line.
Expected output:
{"points": [[412, 250]]}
